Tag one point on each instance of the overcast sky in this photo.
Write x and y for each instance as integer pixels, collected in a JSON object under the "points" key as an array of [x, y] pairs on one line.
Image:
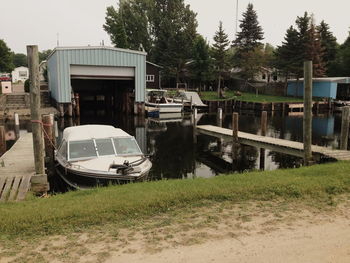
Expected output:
{"points": [[79, 22]]}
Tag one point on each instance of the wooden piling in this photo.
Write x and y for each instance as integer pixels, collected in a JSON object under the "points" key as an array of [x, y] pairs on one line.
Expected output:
{"points": [[48, 123], [17, 125], [34, 76], [77, 106], [235, 127], [307, 120], [69, 110], [2, 140], [344, 135], [263, 123]]}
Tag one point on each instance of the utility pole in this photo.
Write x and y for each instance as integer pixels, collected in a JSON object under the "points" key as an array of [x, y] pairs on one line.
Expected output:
{"points": [[307, 120], [38, 142]]}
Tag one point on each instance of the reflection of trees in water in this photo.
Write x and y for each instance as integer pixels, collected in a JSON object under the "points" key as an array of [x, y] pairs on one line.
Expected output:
{"points": [[247, 157], [174, 152], [286, 161]]}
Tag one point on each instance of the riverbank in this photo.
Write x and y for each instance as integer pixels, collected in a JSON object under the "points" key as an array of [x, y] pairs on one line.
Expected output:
{"points": [[248, 97], [126, 204]]}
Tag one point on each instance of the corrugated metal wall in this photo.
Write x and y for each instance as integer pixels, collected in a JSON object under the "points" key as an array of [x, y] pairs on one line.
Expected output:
{"points": [[59, 68], [319, 89]]}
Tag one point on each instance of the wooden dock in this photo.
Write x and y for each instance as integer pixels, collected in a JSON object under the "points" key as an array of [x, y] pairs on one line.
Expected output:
{"points": [[274, 144], [16, 170]]}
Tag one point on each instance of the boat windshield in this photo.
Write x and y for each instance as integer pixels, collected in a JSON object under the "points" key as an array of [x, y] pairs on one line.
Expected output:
{"points": [[126, 146], [104, 147], [82, 149], [86, 148]]}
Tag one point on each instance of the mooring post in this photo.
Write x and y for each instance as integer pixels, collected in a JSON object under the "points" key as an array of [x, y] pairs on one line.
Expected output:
{"points": [[77, 106], [235, 127], [2, 140], [344, 135], [48, 136], [38, 142], [263, 123], [17, 125], [307, 120]]}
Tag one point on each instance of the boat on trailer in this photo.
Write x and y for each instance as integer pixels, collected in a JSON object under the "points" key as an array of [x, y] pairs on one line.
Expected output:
{"points": [[93, 155], [158, 99]]}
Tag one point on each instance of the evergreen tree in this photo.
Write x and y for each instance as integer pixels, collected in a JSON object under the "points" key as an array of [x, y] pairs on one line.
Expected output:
{"points": [[201, 65], [314, 52], [287, 55], [248, 47], [6, 64], [340, 66], [329, 44], [220, 55], [251, 32]]}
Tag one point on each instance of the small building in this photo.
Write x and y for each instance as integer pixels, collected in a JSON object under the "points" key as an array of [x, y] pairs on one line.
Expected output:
{"points": [[322, 87], [103, 76], [6, 87], [20, 74], [153, 75]]}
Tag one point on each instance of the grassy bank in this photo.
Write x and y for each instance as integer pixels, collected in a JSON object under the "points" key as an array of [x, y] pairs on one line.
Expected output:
{"points": [[76, 211], [248, 97]]}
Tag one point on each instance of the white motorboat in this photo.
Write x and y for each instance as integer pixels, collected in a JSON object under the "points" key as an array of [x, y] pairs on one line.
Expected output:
{"points": [[188, 98], [91, 155], [158, 99]]}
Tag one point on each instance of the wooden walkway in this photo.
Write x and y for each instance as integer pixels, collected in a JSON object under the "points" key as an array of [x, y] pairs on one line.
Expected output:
{"points": [[274, 144], [16, 170]]}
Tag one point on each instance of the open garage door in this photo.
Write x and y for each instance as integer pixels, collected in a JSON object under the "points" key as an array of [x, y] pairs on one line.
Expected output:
{"points": [[104, 88]]}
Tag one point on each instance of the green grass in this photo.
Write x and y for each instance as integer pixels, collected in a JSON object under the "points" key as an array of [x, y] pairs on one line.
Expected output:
{"points": [[77, 211], [248, 97]]}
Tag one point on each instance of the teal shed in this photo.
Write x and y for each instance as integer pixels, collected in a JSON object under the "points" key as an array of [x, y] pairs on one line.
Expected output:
{"points": [[98, 71]]}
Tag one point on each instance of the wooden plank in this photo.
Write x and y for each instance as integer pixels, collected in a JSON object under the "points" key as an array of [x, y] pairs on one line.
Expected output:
{"points": [[23, 188], [7, 189], [2, 182], [275, 144], [14, 190]]}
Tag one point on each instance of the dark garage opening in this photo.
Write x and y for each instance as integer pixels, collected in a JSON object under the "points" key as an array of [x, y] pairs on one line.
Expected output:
{"points": [[110, 95]]}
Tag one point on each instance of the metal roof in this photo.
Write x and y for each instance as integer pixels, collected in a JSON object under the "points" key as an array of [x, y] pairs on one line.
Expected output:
{"points": [[334, 79], [97, 47]]}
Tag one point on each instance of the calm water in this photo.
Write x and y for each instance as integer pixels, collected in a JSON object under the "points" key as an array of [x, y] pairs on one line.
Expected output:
{"points": [[177, 153]]}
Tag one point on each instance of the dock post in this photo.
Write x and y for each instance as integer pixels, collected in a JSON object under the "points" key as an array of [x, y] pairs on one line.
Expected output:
{"points": [[220, 113], [263, 133], [48, 138], [235, 127], [235, 144], [263, 123], [61, 109], [69, 110], [344, 135], [77, 106], [17, 125], [307, 120], [38, 142], [2, 140]]}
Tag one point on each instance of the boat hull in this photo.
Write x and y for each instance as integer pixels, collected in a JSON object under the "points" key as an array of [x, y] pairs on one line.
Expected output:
{"points": [[82, 180], [165, 107]]}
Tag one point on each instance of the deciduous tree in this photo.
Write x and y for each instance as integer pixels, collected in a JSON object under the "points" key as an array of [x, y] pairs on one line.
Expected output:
{"points": [[6, 64]]}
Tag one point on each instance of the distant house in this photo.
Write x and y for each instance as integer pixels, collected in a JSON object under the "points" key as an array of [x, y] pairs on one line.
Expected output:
{"points": [[153, 75], [322, 87], [20, 74]]}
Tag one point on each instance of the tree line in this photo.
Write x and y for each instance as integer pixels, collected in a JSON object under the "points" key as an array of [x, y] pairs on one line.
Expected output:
{"points": [[10, 60], [167, 31]]}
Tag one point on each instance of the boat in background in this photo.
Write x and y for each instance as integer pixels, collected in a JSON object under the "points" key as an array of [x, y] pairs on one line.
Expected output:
{"points": [[190, 98], [92, 155], [158, 99]]}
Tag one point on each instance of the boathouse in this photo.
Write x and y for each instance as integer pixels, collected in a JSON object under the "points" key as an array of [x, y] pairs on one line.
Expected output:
{"points": [[102, 77], [322, 87]]}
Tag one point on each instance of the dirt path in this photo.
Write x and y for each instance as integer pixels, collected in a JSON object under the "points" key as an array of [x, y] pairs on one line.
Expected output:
{"points": [[217, 232], [325, 242]]}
